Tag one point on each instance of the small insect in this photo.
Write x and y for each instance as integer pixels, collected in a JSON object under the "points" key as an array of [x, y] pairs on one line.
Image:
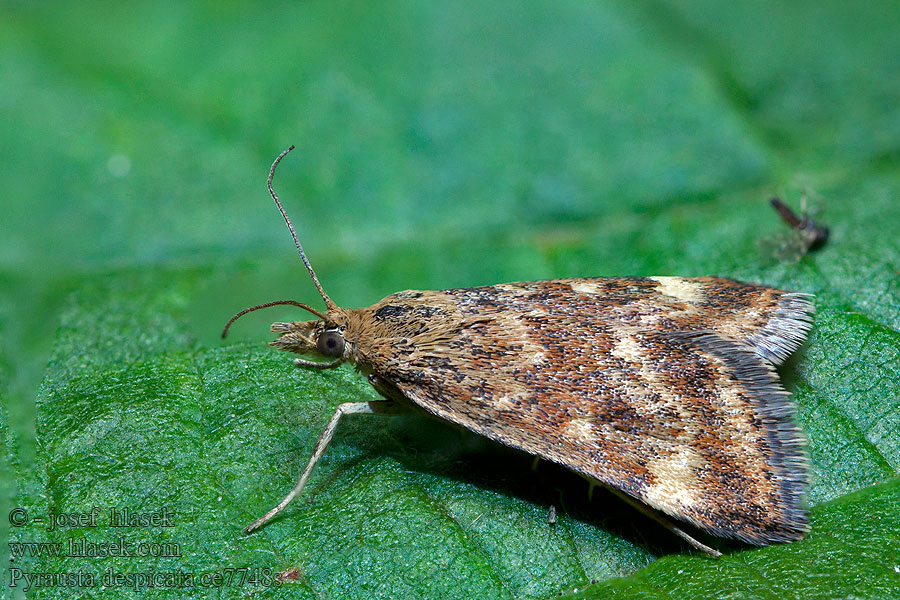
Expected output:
{"points": [[662, 389], [551, 515], [806, 235], [288, 575]]}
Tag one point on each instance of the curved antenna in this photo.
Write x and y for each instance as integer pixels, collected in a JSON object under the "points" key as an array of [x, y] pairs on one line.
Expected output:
{"points": [[328, 302], [267, 305]]}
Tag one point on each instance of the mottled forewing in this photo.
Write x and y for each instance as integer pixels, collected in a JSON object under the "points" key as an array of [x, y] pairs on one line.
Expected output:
{"points": [[663, 388]]}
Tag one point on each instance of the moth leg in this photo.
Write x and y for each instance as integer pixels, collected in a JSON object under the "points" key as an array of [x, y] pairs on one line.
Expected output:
{"points": [[662, 520], [348, 408], [311, 364]]}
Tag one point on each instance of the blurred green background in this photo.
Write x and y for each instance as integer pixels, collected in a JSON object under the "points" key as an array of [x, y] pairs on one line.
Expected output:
{"points": [[438, 145]]}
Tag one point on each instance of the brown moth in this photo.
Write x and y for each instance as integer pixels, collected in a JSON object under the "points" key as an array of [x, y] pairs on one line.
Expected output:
{"points": [[663, 389]]}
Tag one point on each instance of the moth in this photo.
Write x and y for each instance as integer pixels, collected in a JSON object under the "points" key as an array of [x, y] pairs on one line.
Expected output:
{"points": [[662, 389], [806, 235]]}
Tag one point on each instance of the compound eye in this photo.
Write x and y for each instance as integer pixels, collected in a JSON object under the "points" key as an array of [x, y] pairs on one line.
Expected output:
{"points": [[330, 343]]}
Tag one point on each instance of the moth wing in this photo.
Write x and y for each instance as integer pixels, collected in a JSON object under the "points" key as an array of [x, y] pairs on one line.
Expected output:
{"points": [[662, 388]]}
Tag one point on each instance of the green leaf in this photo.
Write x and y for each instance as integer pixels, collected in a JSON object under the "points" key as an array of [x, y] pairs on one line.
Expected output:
{"points": [[439, 145]]}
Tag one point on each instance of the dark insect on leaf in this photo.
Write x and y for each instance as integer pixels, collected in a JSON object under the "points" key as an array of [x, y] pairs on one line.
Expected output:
{"points": [[806, 235]]}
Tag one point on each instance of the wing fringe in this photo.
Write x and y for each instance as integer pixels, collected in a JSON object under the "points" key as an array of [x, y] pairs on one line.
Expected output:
{"points": [[786, 329]]}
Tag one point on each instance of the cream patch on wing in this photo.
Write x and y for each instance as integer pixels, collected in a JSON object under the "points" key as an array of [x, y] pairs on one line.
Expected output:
{"points": [[680, 288], [676, 484], [511, 401], [513, 327], [643, 380], [628, 348], [587, 287], [579, 429]]}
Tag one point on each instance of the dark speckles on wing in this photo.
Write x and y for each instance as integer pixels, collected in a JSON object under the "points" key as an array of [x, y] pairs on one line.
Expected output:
{"points": [[661, 387], [393, 311], [404, 312]]}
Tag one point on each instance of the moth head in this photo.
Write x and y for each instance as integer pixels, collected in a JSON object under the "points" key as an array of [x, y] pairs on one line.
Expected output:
{"points": [[323, 337]]}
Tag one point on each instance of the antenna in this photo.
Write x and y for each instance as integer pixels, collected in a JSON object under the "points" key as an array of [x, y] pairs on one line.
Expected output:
{"points": [[267, 305], [328, 302], [329, 305]]}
